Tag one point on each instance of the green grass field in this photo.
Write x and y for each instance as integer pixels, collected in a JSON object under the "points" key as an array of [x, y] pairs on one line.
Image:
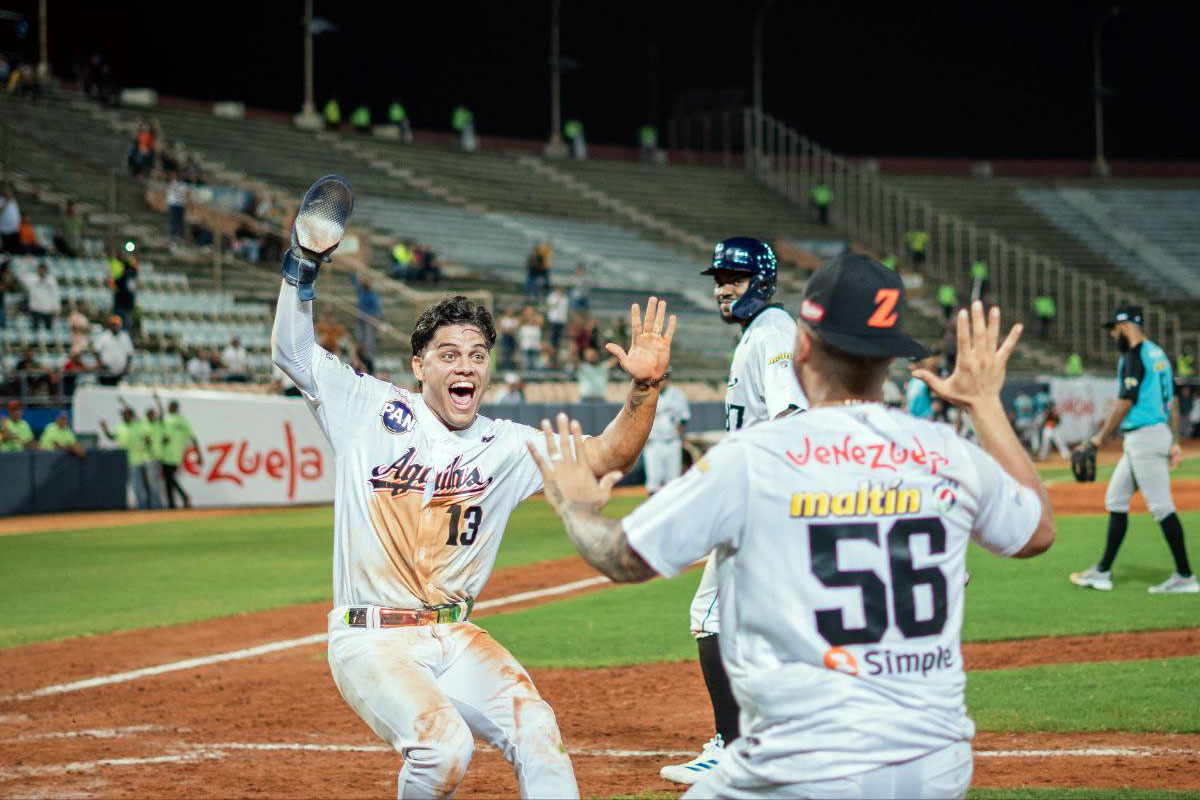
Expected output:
{"points": [[95, 581], [1189, 469]]}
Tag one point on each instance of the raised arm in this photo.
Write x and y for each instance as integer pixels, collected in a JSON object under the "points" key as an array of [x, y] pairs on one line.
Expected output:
{"points": [[975, 386], [646, 362], [293, 338]]}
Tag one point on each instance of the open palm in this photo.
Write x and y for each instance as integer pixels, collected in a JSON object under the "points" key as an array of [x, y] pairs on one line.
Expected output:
{"points": [[649, 353]]}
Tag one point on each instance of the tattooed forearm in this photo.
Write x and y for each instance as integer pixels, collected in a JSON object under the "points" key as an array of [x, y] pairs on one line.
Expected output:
{"points": [[602, 543], [636, 400]]}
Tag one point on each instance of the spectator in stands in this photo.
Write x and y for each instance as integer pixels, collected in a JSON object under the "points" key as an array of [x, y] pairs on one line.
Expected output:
{"points": [[360, 119], [618, 331], [8, 283], [45, 299], [233, 361], [75, 365], [199, 366], [463, 123], [426, 263], [332, 335], [10, 221], [69, 241], [507, 327], [821, 198], [370, 314], [33, 377], [581, 290], [15, 433], [1185, 365], [398, 118], [177, 437], [123, 274], [917, 240], [142, 149], [557, 309], [947, 298], [581, 331], [134, 437], [177, 196], [591, 376], [537, 272], [648, 143], [80, 326], [529, 338], [114, 351], [513, 393], [27, 240], [333, 114], [889, 261], [573, 133], [402, 260], [1074, 366], [59, 436], [979, 279], [1046, 309]]}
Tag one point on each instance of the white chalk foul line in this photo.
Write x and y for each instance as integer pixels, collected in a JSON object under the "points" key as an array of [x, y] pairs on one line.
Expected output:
{"points": [[89, 733], [218, 750], [273, 647]]}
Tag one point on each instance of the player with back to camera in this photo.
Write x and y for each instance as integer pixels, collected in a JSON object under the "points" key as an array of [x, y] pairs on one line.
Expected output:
{"points": [[1148, 415], [841, 538], [761, 386], [424, 487]]}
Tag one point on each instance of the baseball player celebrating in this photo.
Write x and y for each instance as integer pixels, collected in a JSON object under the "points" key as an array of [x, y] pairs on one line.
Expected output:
{"points": [[841, 538], [761, 386], [423, 490], [1147, 414], [663, 455]]}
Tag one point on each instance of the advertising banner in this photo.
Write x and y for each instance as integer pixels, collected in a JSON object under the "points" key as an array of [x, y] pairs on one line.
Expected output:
{"points": [[1083, 404], [255, 450]]}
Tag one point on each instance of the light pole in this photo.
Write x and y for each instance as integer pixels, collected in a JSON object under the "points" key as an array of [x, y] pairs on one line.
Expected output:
{"points": [[555, 146], [759, 17], [308, 118], [1100, 167], [43, 67]]}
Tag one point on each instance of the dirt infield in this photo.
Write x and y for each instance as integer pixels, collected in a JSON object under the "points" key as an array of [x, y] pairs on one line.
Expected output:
{"points": [[274, 725]]}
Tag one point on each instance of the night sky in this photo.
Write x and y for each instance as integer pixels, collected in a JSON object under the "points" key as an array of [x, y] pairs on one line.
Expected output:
{"points": [[980, 79]]}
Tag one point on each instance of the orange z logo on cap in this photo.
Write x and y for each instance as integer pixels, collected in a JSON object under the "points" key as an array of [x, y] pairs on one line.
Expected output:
{"points": [[885, 309]]}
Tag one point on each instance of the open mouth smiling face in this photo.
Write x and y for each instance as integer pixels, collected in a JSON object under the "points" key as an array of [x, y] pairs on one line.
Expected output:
{"points": [[453, 372]]}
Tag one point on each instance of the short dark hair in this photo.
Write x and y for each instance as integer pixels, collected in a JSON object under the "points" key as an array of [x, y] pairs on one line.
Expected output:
{"points": [[456, 310], [857, 375]]}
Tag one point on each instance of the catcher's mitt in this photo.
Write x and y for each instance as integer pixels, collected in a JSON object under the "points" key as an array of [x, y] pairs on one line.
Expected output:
{"points": [[1083, 463]]}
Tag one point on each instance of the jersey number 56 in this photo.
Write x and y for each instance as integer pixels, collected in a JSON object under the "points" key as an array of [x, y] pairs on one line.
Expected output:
{"points": [[904, 578]]}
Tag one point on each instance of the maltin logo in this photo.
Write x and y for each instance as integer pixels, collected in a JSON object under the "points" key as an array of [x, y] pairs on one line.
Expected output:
{"points": [[397, 417]]}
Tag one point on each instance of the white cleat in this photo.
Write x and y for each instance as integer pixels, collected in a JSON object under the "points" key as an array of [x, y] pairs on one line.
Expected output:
{"points": [[1093, 578], [699, 766], [1177, 584]]}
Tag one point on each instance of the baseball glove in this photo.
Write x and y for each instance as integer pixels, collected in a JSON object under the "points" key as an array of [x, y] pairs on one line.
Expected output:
{"points": [[1083, 463]]}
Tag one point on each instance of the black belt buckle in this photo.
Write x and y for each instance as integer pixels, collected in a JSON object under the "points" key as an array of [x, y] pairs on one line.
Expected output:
{"points": [[356, 617]]}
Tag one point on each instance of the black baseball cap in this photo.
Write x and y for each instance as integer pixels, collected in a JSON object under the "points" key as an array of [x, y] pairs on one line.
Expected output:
{"points": [[1126, 314], [856, 305]]}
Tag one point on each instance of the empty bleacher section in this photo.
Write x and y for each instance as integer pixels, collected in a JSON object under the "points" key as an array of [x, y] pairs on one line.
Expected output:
{"points": [[1037, 214], [1151, 234]]}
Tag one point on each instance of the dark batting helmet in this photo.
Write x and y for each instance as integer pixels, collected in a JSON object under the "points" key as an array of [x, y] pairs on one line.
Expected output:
{"points": [[755, 258]]}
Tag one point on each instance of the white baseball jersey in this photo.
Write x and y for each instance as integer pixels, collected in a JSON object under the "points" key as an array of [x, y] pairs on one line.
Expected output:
{"points": [[419, 510], [671, 412], [841, 538], [762, 384]]}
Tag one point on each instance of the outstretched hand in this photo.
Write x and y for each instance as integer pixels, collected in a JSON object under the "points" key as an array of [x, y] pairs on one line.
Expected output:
{"points": [[979, 369], [567, 472], [649, 353]]}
